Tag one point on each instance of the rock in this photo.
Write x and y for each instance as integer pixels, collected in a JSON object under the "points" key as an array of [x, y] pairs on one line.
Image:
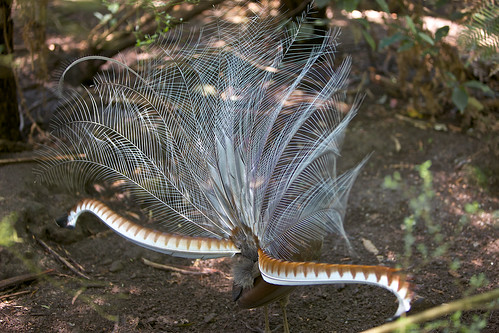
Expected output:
{"points": [[116, 266]]}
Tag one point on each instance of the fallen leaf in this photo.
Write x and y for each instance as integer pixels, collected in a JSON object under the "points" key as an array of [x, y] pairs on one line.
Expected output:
{"points": [[369, 246]]}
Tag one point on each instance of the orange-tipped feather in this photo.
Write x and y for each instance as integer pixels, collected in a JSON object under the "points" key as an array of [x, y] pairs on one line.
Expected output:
{"points": [[180, 246], [287, 273], [226, 154]]}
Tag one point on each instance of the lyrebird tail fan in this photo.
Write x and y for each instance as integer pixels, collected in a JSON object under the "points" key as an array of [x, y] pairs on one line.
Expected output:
{"points": [[230, 142]]}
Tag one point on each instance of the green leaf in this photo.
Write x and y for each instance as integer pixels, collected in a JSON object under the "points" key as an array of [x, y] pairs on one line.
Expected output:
{"points": [[369, 39], [456, 316], [479, 280], [452, 78], [349, 6], [426, 38], [424, 169], [432, 51], [383, 5], [8, 235], [472, 208], [479, 85], [441, 33], [410, 24], [365, 23], [99, 16], [392, 182], [387, 41], [113, 7], [6, 59], [406, 45], [460, 97], [321, 3], [475, 103], [456, 16], [455, 264]]}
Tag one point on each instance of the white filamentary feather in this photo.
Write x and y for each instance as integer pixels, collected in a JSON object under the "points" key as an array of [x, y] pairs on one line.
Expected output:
{"points": [[233, 137], [239, 131]]}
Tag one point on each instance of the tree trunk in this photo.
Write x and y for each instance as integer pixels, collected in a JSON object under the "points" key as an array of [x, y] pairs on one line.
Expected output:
{"points": [[9, 114]]}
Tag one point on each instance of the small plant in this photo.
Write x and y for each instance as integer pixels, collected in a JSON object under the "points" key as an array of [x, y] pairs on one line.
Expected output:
{"points": [[107, 18], [146, 20], [421, 198], [8, 234], [481, 36], [432, 76], [420, 203]]}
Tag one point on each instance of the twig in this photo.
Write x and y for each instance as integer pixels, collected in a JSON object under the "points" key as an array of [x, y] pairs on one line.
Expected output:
{"points": [[393, 87], [116, 25], [15, 294], [80, 267], [416, 123], [61, 259], [149, 25], [78, 293], [297, 10], [22, 278], [103, 23], [481, 301], [204, 271], [33, 159]]}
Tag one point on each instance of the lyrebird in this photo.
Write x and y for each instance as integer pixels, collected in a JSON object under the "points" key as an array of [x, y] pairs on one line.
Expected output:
{"points": [[231, 143]]}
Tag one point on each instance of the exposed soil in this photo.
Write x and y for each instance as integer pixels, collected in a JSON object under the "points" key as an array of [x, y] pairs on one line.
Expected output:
{"points": [[125, 295]]}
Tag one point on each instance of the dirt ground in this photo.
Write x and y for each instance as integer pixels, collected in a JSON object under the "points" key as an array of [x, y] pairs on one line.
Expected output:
{"points": [[123, 294]]}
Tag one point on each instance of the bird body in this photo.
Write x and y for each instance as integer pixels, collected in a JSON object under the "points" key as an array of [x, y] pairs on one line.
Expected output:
{"points": [[231, 144]]}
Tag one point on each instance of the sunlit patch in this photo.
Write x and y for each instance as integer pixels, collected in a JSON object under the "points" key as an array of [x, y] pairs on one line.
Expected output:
{"points": [[205, 89], [492, 247], [134, 290]]}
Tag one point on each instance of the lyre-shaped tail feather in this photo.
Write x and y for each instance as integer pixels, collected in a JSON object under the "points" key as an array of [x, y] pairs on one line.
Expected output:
{"points": [[232, 145], [213, 138], [289, 273], [175, 245]]}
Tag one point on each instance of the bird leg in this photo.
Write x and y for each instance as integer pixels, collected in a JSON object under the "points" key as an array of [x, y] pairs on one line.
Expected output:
{"points": [[266, 311], [283, 302]]}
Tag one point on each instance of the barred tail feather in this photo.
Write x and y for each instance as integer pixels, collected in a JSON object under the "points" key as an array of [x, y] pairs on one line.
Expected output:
{"points": [[175, 245], [231, 141], [289, 273]]}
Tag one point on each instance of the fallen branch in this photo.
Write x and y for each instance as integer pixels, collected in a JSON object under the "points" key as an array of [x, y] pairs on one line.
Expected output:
{"points": [[23, 278], [188, 271], [35, 159], [486, 301], [29, 159], [61, 259]]}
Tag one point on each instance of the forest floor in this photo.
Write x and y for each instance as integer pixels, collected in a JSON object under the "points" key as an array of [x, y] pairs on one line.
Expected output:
{"points": [[123, 294]]}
